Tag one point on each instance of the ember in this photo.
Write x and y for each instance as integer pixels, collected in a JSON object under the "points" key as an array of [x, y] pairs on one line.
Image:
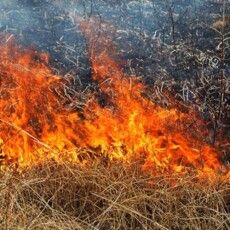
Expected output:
{"points": [[36, 127]]}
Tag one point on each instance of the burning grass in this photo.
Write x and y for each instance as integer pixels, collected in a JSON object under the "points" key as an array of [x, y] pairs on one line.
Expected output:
{"points": [[110, 196], [173, 185], [36, 125]]}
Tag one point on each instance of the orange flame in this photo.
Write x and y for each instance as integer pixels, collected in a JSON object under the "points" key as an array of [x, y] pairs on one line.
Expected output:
{"points": [[36, 127], [136, 127], [33, 124]]}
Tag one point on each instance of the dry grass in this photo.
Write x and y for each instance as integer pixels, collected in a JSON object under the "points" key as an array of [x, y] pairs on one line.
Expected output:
{"points": [[109, 197]]}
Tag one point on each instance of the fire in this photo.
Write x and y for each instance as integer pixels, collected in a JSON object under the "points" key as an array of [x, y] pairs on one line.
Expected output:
{"points": [[135, 127], [35, 126]]}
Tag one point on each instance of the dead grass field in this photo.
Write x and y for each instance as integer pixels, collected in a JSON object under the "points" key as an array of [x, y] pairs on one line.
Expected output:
{"points": [[69, 196]]}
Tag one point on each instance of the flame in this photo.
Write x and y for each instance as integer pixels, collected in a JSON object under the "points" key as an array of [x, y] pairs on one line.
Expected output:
{"points": [[35, 126], [135, 127]]}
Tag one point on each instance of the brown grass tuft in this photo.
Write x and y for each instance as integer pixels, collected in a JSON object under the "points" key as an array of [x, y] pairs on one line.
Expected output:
{"points": [[101, 197]]}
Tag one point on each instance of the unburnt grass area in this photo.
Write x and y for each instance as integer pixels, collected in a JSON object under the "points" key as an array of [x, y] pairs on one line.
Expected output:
{"points": [[110, 196]]}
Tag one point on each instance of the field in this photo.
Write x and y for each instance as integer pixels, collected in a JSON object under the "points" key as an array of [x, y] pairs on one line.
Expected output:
{"points": [[114, 115]]}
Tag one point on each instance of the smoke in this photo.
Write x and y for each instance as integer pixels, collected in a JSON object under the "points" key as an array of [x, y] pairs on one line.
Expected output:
{"points": [[144, 29], [46, 26]]}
